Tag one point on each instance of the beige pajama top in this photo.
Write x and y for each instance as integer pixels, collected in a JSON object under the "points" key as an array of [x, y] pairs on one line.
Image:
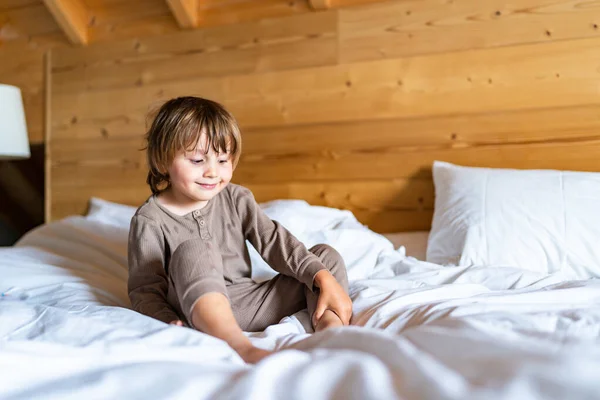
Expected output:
{"points": [[228, 220]]}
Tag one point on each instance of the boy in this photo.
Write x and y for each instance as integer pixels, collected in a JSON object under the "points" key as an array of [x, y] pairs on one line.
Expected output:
{"points": [[187, 253]]}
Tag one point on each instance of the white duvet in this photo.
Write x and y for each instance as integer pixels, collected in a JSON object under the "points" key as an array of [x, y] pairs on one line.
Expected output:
{"points": [[420, 331]]}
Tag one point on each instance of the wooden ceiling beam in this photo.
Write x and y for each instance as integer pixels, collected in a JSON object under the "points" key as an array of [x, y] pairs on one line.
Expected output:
{"points": [[185, 12], [320, 4], [73, 18]]}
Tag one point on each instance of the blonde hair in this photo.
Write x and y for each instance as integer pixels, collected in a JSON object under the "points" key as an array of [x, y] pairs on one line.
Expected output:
{"points": [[178, 126]]}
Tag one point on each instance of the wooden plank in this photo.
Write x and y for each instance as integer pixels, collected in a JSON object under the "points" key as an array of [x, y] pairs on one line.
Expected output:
{"points": [[72, 17], [416, 162], [262, 33], [367, 195], [300, 42], [405, 28], [511, 127], [479, 81], [192, 66], [185, 12]]}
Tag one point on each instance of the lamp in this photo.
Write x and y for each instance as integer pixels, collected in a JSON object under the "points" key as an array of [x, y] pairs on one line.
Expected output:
{"points": [[14, 142]]}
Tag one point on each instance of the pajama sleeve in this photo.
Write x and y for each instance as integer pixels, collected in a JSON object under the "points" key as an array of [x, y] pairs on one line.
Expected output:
{"points": [[147, 283], [276, 245]]}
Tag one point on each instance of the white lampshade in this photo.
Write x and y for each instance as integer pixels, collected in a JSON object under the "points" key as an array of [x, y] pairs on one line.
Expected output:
{"points": [[14, 142]]}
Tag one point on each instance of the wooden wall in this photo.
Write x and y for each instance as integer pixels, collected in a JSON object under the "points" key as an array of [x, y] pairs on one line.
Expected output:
{"points": [[346, 107], [28, 31]]}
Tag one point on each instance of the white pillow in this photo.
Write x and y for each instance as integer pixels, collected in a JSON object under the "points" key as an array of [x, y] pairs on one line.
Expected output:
{"points": [[110, 213], [538, 220]]}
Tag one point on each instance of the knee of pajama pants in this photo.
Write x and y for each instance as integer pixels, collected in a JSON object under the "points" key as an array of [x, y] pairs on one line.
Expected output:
{"points": [[334, 262], [196, 269], [191, 252]]}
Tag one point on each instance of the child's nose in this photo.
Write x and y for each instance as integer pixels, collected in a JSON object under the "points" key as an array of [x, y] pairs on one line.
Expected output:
{"points": [[211, 170]]}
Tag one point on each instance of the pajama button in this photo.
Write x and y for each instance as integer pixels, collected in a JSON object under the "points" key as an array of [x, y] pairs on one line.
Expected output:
{"points": [[196, 213], [202, 223]]}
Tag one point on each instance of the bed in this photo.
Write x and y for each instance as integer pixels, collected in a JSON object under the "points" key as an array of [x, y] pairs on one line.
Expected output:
{"points": [[483, 328]]}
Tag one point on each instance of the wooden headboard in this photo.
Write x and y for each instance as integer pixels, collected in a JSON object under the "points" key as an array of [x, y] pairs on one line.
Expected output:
{"points": [[346, 108]]}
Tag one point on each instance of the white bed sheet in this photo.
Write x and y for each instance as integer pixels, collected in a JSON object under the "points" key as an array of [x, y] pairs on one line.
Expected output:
{"points": [[419, 330]]}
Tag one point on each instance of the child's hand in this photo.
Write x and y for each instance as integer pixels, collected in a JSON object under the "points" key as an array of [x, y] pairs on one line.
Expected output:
{"points": [[177, 322], [332, 297]]}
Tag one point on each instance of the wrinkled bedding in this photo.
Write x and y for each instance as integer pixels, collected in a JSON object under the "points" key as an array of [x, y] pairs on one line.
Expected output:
{"points": [[419, 330]]}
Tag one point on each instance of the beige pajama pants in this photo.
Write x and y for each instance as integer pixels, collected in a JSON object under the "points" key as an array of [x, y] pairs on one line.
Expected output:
{"points": [[255, 305]]}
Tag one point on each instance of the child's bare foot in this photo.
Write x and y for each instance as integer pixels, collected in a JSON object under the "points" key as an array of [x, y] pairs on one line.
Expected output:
{"points": [[328, 320], [252, 354]]}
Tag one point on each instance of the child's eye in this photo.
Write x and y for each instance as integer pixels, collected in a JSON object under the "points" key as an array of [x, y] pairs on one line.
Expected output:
{"points": [[224, 161], [197, 161]]}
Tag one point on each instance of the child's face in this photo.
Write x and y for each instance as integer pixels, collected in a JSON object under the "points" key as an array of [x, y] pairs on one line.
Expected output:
{"points": [[198, 175]]}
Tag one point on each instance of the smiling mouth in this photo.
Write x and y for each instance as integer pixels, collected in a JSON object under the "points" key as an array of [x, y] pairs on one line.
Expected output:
{"points": [[208, 186]]}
